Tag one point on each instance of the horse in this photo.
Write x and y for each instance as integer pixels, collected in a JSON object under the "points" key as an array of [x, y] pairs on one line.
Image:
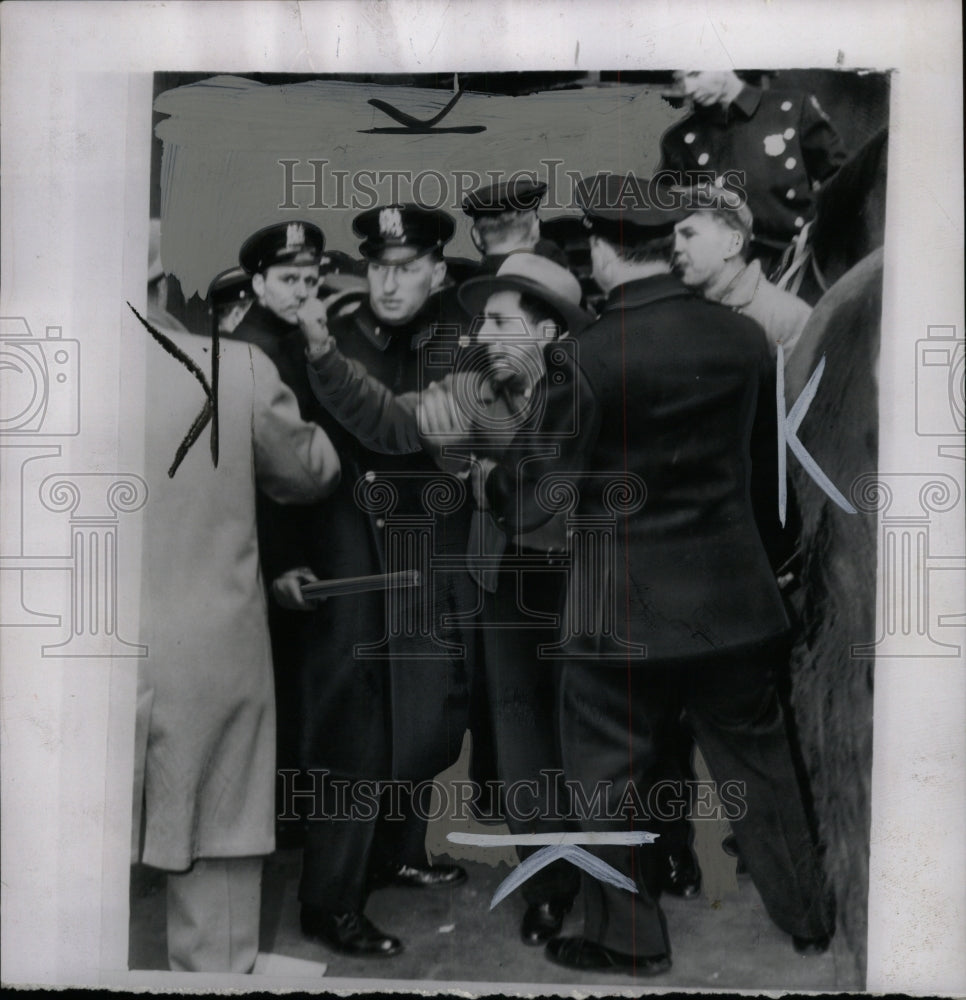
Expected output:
{"points": [[849, 223], [830, 688]]}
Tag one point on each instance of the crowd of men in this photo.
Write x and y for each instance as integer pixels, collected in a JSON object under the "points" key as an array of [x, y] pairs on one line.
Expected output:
{"points": [[495, 414]]}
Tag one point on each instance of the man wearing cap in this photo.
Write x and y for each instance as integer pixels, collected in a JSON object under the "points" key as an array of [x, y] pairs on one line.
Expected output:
{"points": [[505, 221], [281, 263], [710, 256], [686, 403], [780, 141], [229, 298], [399, 714]]}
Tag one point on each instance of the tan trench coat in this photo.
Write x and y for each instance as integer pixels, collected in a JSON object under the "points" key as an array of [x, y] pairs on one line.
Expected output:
{"points": [[206, 699]]}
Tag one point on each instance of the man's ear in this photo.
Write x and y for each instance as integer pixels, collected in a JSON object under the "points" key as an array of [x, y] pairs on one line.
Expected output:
{"points": [[258, 285], [736, 244], [549, 329], [477, 239], [439, 275]]}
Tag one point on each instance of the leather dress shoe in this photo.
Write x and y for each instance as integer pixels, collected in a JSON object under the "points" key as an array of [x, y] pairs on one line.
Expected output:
{"points": [[421, 876], [589, 956], [542, 921], [682, 876], [812, 945], [350, 933]]}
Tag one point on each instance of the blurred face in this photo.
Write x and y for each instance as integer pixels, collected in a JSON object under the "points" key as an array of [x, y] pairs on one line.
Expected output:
{"points": [[505, 321], [283, 288], [702, 246], [704, 88], [511, 336], [397, 291]]}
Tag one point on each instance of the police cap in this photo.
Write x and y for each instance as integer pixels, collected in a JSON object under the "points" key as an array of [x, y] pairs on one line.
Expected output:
{"points": [[519, 194], [411, 226], [230, 287], [282, 243], [629, 209]]}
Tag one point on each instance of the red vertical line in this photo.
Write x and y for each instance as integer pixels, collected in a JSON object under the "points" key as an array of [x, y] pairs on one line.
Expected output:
{"points": [[77, 583], [95, 589], [110, 582], [922, 624]]}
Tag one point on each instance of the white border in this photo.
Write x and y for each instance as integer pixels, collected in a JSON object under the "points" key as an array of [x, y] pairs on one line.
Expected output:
{"points": [[74, 178]]}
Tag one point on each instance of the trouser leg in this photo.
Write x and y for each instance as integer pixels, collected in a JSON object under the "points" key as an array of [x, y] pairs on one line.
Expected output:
{"points": [[399, 837], [213, 915], [738, 723], [522, 689], [613, 722], [335, 856]]}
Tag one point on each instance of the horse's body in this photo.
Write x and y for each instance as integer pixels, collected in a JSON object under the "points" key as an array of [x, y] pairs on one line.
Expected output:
{"points": [[831, 690]]}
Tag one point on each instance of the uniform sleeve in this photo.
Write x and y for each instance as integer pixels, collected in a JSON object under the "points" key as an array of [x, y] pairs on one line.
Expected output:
{"points": [[672, 151], [295, 461], [822, 148], [379, 418]]}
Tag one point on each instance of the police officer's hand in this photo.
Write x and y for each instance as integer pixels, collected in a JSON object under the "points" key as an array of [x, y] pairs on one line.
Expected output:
{"points": [[287, 589], [312, 317]]}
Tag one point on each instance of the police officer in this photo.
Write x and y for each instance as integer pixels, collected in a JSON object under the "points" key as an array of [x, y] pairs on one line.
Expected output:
{"points": [[393, 712], [777, 146], [695, 597], [229, 298], [280, 267], [505, 221]]}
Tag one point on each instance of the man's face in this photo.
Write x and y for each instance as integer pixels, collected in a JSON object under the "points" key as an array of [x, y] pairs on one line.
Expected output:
{"points": [[504, 321], [702, 246], [703, 87], [397, 291], [283, 288]]}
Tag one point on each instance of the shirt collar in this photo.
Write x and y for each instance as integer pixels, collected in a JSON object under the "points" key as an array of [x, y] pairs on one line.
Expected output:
{"points": [[747, 101], [742, 287]]}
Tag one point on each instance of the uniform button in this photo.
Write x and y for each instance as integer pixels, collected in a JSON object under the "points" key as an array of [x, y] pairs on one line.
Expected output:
{"points": [[791, 163], [799, 222], [703, 159], [786, 105], [790, 194], [689, 138], [370, 476], [789, 133], [380, 522]]}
